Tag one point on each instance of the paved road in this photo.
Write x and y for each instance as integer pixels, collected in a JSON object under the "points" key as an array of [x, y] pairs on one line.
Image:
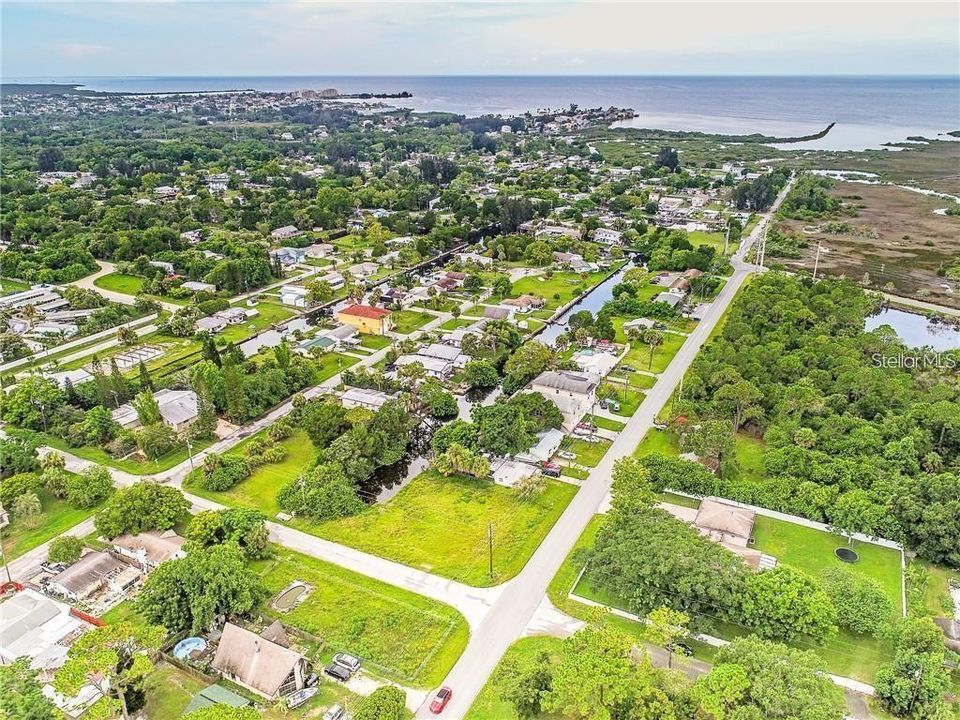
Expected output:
{"points": [[105, 269], [922, 305], [517, 605]]}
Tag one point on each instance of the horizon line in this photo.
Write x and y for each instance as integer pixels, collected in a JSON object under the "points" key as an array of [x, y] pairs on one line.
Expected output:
{"points": [[485, 75]]}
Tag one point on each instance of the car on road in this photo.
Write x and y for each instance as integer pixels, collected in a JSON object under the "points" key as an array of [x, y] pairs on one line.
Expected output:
{"points": [[335, 712], [337, 672], [567, 455], [440, 700], [680, 648], [347, 661]]}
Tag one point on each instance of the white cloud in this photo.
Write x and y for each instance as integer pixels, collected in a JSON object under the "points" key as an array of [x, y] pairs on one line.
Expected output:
{"points": [[81, 51]]}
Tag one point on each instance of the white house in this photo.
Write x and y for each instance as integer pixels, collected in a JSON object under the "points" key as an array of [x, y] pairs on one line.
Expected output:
{"points": [[574, 393], [288, 256], [364, 269], [434, 367], [212, 324], [361, 397], [608, 237], [178, 408], [285, 232], [319, 250], [294, 295], [194, 286], [149, 549]]}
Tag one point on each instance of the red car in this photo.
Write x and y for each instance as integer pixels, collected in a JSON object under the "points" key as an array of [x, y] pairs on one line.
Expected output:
{"points": [[440, 701]]}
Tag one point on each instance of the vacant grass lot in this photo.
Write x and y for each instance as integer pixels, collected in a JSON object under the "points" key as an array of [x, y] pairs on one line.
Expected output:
{"points": [[559, 289], [169, 690], [628, 398], [259, 491], [375, 342], [58, 517], [588, 454], [10, 285], [439, 524], [118, 282], [489, 705], [407, 321], [268, 313], [454, 323], [402, 635], [639, 354]]}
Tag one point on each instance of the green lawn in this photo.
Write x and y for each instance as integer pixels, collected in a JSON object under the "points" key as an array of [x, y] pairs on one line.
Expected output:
{"points": [[442, 304], [169, 690], [634, 379], [628, 398], [454, 323], [259, 491], [58, 516], [489, 705], [100, 456], [681, 500], [399, 634], [269, 313], [658, 441], [605, 423], [406, 321], [118, 282], [10, 285], [639, 353], [330, 364], [559, 289], [375, 342], [713, 239], [440, 525], [588, 454]]}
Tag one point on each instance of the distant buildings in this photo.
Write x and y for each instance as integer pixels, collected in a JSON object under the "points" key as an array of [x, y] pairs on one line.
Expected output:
{"points": [[285, 233]]}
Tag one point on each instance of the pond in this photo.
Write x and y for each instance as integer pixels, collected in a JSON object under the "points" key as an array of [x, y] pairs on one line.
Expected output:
{"points": [[592, 301], [916, 330]]}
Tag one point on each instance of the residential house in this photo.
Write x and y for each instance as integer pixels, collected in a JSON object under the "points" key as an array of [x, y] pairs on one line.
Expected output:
{"points": [[547, 444], [93, 572], [608, 237], [178, 408], [165, 266], [194, 286], [471, 258], [363, 270], [558, 231], [727, 524], [236, 315], [191, 237], [334, 279], [574, 393], [148, 549], [670, 298], [285, 233], [212, 324], [362, 397], [319, 250], [448, 353], [259, 665], [287, 256], [294, 296], [525, 303], [434, 367], [457, 277], [366, 319], [498, 312], [640, 324]]}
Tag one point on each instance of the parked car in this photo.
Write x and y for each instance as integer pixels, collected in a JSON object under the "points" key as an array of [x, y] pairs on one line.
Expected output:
{"points": [[659, 326], [567, 455], [440, 701], [337, 672], [587, 425], [347, 661], [550, 470], [334, 712], [590, 438], [680, 648], [582, 430], [628, 368], [612, 405]]}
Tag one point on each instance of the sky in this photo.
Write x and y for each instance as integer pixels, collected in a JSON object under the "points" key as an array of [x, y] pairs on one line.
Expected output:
{"points": [[193, 38]]}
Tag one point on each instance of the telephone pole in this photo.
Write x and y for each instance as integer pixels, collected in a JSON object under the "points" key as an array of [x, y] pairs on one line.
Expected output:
{"points": [[490, 545], [816, 260]]}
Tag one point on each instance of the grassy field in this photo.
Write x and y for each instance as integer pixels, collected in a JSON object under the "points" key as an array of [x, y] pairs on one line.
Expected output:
{"points": [[259, 491], [489, 705], [58, 516], [406, 321], [118, 282], [169, 690], [454, 323], [10, 285], [605, 422], [639, 354], [588, 454], [375, 342], [440, 525], [268, 313], [628, 398], [399, 634], [559, 289]]}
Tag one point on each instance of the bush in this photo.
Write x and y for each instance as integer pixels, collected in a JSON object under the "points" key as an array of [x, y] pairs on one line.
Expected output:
{"points": [[385, 703], [323, 493], [89, 487], [122, 445], [280, 430], [156, 440], [17, 485], [65, 549], [222, 472], [140, 507], [862, 605]]}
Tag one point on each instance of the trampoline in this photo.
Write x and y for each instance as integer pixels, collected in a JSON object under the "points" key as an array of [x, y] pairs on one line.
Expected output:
{"points": [[846, 555]]}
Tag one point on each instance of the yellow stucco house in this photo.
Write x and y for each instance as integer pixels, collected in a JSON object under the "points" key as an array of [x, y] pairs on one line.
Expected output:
{"points": [[366, 319]]}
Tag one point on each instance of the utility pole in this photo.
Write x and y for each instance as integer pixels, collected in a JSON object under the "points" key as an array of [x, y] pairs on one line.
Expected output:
{"points": [[490, 545], [816, 260], [726, 239]]}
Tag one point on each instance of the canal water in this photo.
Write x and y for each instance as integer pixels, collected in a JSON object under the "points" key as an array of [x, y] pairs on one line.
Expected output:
{"points": [[916, 330], [592, 302]]}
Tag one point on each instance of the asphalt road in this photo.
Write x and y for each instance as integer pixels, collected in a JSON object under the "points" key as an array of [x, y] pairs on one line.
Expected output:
{"points": [[516, 606]]}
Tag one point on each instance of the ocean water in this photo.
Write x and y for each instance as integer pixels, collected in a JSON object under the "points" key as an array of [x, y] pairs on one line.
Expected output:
{"points": [[868, 111]]}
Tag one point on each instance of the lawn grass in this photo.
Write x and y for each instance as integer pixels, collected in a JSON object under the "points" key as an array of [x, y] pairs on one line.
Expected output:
{"points": [[121, 283], [375, 342], [259, 491], [407, 321], [100, 456], [559, 289], [169, 690], [681, 500], [488, 704], [10, 285], [634, 379], [58, 516], [123, 612], [658, 441], [454, 323], [588, 454], [439, 524], [639, 354], [628, 398], [269, 313], [605, 422], [575, 473], [399, 634]]}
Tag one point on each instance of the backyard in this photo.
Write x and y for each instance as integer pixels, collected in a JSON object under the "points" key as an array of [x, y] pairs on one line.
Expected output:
{"points": [[407, 321], [57, 517], [399, 634], [559, 289], [439, 524]]}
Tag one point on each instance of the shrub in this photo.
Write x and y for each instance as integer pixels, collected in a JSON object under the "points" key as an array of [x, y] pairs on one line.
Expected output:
{"points": [[862, 605], [322, 493], [280, 430], [222, 472], [122, 445], [156, 440], [140, 507], [17, 485], [65, 549], [89, 487]]}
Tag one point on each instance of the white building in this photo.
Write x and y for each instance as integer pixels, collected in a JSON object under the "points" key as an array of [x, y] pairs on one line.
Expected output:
{"points": [[574, 393], [608, 237], [285, 232], [294, 295], [361, 397], [178, 408]]}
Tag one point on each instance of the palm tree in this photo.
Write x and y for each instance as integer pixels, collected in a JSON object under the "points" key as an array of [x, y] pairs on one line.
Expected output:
{"points": [[652, 338]]}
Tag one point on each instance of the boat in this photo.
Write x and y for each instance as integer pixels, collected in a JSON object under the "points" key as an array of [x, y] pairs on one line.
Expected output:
{"points": [[298, 698]]}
